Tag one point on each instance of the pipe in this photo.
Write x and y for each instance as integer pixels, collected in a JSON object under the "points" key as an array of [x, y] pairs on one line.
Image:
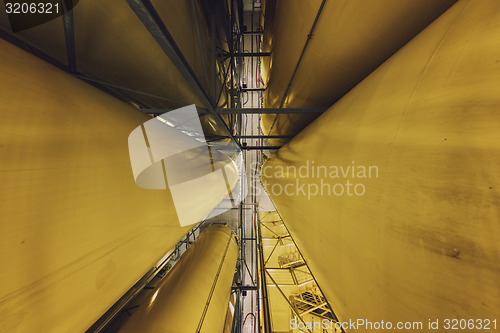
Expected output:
{"points": [[254, 321], [194, 296], [422, 240]]}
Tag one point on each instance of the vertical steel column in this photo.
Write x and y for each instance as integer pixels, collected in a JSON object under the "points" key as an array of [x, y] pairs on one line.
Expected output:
{"points": [[69, 35], [265, 301], [213, 12]]}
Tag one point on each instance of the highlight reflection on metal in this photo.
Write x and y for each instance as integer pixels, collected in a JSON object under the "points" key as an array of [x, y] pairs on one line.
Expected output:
{"points": [[170, 151]]}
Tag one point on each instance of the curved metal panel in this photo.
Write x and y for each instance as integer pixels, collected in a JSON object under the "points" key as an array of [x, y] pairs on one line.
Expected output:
{"points": [[418, 236], [194, 296]]}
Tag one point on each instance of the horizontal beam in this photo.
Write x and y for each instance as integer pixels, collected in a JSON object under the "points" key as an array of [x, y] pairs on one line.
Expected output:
{"points": [[220, 137], [249, 54], [270, 110], [237, 110], [265, 137], [252, 32], [260, 147], [252, 89], [244, 288], [162, 111]]}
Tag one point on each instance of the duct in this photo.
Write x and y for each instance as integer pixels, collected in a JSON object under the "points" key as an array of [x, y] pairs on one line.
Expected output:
{"points": [[76, 231], [350, 40], [194, 296], [112, 45], [418, 239]]}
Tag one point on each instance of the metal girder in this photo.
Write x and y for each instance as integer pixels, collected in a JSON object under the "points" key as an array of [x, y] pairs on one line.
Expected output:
{"points": [[213, 34], [271, 110], [69, 35], [244, 288], [200, 45], [250, 54], [13, 39], [252, 89], [162, 111], [148, 15], [260, 147], [252, 32], [272, 251], [267, 322], [101, 85], [265, 137], [104, 83]]}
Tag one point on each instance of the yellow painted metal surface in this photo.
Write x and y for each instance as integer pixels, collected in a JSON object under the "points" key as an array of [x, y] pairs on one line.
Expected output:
{"points": [[76, 232], [203, 274], [351, 39], [422, 241]]}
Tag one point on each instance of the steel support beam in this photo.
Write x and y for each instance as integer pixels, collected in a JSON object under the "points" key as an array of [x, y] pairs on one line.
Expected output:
{"points": [[146, 12], [252, 89], [112, 85], [13, 39], [244, 288], [101, 85], [213, 35], [260, 147], [265, 137], [200, 45], [162, 111], [69, 35], [253, 32], [266, 315], [251, 54]]}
